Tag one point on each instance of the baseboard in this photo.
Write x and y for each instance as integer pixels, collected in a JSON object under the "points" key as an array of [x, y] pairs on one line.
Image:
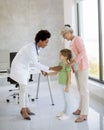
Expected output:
{"points": [[96, 90]]}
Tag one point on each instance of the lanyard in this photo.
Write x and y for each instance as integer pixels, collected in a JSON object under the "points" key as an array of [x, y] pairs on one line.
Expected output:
{"points": [[36, 47]]}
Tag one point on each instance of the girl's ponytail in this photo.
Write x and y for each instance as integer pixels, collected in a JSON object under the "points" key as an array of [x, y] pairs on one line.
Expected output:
{"points": [[67, 53]]}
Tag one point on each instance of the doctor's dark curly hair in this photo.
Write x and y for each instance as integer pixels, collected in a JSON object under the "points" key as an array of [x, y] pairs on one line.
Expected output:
{"points": [[42, 35]]}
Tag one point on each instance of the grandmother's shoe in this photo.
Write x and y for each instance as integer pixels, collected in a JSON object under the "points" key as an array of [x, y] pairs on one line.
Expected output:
{"points": [[77, 112], [81, 118]]}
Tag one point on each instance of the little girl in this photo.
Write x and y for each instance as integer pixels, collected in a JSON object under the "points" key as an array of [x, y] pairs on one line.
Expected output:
{"points": [[64, 79]]}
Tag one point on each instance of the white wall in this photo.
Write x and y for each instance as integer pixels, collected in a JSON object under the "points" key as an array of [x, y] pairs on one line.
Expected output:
{"points": [[21, 19], [70, 13], [70, 16]]}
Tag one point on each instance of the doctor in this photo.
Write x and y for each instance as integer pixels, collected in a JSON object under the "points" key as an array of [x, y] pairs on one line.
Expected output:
{"points": [[20, 68]]}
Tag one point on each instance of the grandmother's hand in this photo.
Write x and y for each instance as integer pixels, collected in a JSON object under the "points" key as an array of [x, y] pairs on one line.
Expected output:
{"points": [[72, 62]]}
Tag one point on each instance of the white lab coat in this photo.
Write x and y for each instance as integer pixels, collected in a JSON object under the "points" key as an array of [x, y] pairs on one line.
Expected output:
{"points": [[20, 64]]}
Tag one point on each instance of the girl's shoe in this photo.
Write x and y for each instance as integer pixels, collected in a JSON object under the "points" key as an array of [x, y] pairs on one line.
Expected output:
{"points": [[63, 117], [81, 118], [60, 114], [77, 112]]}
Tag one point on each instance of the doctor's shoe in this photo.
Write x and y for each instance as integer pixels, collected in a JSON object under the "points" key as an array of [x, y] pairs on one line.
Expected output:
{"points": [[29, 112], [25, 114], [64, 117]]}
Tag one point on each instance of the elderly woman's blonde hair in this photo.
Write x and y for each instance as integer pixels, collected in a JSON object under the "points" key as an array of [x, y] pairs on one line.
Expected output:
{"points": [[65, 29]]}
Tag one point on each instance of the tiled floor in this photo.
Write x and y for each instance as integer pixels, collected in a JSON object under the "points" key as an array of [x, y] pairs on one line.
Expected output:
{"points": [[10, 118]]}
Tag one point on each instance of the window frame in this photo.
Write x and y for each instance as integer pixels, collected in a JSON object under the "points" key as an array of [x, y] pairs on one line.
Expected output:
{"points": [[101, 80]]}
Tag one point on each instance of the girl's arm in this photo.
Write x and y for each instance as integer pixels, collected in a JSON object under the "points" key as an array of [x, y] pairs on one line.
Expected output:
{"points": [[52, 73], [56, 68], [68, 82]]}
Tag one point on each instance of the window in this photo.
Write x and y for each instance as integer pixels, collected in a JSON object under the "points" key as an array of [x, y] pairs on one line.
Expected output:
{"points": [[103, 33], [89, 32], [90, 28]]}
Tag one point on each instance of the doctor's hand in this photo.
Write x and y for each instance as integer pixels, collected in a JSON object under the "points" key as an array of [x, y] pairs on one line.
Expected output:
{"points": [[44, 73], [56, 68]]}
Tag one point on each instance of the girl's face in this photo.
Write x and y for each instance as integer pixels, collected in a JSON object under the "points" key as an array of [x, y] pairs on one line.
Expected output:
{"points": [[62, 58], [68, 36]]}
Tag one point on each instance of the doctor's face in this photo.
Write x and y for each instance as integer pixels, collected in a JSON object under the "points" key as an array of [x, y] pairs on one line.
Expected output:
{"points": [[44, 43]]}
